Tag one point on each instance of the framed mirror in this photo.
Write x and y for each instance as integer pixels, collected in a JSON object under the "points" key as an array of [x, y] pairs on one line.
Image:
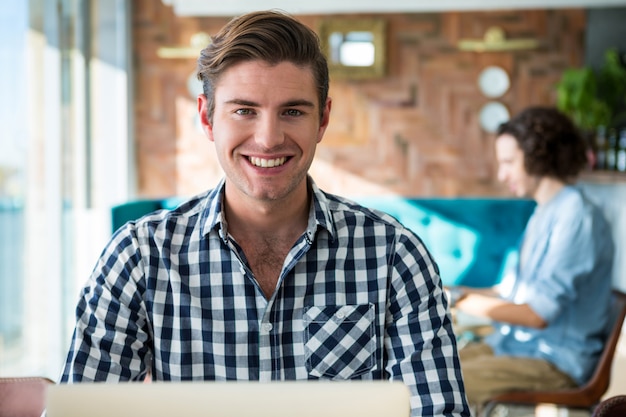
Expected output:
{"points": [[355, 48]]}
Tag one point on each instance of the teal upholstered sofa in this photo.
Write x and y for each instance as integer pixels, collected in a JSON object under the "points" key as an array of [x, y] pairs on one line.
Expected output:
{"points": [[471, 239], [133, 210]]}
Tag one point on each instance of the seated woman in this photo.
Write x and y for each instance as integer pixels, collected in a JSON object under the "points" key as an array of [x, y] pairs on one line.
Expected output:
{"points": [[549, 322]]}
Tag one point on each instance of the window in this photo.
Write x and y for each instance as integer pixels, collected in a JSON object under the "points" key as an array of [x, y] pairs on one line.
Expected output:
{"points": [[68, 74]]}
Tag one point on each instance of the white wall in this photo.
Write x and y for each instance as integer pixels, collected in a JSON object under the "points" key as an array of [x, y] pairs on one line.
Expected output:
{"points": [[611, 197]]}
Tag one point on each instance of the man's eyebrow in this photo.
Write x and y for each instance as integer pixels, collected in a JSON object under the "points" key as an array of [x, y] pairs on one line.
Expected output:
{"points": [[241, 102], [290, 103], [297, 103]]}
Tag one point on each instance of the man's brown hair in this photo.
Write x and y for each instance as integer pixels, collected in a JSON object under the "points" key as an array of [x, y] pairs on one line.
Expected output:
{"points": [[270, 36]]}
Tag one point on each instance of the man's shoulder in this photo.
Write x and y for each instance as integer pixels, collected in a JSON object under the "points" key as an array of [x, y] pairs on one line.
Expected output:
{"points": [[344, 207]]}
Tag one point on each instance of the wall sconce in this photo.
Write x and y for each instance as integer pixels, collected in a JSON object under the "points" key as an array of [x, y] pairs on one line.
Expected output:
{"points": [[495, 41], [197, 43]]}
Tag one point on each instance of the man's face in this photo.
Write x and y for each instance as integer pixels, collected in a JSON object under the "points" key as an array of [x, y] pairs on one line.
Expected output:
{"points": [[266, 126], [511, 169]]}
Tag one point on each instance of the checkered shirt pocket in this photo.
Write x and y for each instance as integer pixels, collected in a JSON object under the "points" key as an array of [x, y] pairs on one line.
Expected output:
{"points": [[340, 341]]}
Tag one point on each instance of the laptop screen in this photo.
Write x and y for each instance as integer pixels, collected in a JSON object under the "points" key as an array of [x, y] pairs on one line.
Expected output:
{"points": [[230, 399]]}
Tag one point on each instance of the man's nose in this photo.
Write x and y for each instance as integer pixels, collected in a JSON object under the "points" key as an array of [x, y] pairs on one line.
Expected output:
{"points": [[269, 133]]}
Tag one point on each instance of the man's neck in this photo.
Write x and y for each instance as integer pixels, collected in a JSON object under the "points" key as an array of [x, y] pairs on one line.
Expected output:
{"points": [[273, 219]]}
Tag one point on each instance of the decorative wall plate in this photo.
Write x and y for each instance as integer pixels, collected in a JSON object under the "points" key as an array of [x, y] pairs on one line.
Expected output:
{"points": [[493, 81], [492, 115]]}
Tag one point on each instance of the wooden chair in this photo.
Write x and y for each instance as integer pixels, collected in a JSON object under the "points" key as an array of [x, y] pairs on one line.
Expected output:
{"points": [[586, 396], [23, 397]]}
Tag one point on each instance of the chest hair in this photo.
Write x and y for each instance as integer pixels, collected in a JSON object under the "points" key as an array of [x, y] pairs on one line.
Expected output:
{"points": [[266, 257]]}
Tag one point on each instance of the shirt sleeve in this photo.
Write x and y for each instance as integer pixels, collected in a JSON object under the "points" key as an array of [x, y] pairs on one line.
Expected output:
{"points": [[570, 253], [111, 337], [419, 340]]}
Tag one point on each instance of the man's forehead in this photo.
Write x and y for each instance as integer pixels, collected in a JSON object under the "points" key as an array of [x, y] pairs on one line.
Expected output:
{"points": [[260, 81]]}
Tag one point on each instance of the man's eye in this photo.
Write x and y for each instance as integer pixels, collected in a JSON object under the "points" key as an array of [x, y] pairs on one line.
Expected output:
{"points": [[243, 112], [293, 112]]}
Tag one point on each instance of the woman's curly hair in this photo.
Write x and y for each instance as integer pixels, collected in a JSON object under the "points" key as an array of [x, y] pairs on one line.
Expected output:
{"points": [[552, 145]]}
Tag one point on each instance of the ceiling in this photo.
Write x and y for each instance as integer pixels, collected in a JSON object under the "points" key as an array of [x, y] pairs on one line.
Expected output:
{"points": [[236, 7]]}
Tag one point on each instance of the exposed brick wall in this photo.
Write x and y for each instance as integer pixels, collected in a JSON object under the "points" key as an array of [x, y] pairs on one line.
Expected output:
{"points": [[414, 132]]}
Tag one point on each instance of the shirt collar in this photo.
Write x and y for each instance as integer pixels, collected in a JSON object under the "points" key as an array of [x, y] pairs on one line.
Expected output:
{"points": [[320, 215], [213, 216]]}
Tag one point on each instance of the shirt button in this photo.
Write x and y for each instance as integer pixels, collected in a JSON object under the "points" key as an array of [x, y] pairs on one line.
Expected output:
{"points": [[340, 315], [267, 327]]}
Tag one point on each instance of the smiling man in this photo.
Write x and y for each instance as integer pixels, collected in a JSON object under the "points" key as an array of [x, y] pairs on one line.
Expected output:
{"points": [[266, 277]]}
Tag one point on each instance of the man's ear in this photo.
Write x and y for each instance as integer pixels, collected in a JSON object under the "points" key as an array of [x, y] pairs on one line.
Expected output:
{"points": [[325, 119], [203, 106]]}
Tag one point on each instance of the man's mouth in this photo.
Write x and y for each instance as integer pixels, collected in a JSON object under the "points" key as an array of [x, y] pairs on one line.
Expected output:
{"points": [[266, 163]]}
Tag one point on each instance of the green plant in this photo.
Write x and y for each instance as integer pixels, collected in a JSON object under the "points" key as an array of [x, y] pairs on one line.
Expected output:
{"points": [[612, 86], [592, 98]]}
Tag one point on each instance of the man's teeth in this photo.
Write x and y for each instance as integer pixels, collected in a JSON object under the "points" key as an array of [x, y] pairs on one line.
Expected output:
{"points": [[267, 163]]}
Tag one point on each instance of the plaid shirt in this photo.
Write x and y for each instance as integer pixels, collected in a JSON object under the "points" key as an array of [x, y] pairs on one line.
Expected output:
{"points": [[358, 297]]}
